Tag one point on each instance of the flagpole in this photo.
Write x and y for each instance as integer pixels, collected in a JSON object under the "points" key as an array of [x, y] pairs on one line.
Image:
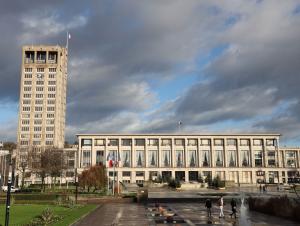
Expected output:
{"points": [[67, 45], [114, 179]]}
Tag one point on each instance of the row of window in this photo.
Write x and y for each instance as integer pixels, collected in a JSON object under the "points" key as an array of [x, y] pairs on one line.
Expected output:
{"points": [[40, 88], [38, 108], [39, 95], [37, 122], [124, 158], [37, 128], [177, 142], [27, 69], [37, 115], [39, 102], [39, 76]]}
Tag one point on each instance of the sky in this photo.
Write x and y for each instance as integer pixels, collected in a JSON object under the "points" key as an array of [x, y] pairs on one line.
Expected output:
{"points": [[140, 66]]}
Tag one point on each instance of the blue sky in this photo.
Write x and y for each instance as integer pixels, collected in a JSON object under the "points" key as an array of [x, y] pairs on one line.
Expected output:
{"points": [[142, 66]]}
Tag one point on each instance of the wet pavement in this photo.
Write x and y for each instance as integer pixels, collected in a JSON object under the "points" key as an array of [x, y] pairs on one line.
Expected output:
{"points": [[132, 214]]}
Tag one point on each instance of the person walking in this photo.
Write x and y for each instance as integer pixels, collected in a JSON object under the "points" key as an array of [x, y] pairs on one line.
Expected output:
{"points": [[221, 205], [233, 207], [208, 206]]}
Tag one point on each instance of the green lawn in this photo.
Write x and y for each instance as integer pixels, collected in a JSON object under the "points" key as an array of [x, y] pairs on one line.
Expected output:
{"points": [[22, 214]]}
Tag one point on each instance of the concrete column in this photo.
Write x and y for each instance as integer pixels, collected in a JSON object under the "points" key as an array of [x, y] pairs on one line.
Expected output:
{"points": [[238, 156], [186, 177], [212, 153], [173, 173], [224, 153], [252, 158], [267, 176], [199, 152], [298, 158], [146, 175], [173, 153], [133, 165], [79, 154], [146, 152], [185, 153], [280, 176], [253, 177], [264, 154], [93, 155], [133, 179]]}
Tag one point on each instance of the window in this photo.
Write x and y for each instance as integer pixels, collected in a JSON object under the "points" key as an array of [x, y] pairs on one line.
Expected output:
{"points": [[166, 142], [25, 115], [99, 142], [231, 158], [51, 95], [113, 142], [219, 142], [152, 158], [37, 135], [40, 69], [257, 142], [192, 142], [86, 158], [37, 128], [24, 142], [36, 142], [51, 89], [50, 115], [139, 174], [39, 102], [258, 158], [219, 158], [166, 158], [126, 142], [86, 142], [99, 157], [51, 76], [290, 157], [245, 142], [271, 154], [27, 82], [69, 174], [50, 108], [231, 142], [205, 159], [245, 158], [152, 142], [192, 158], [139, 142], [51, 102], [39, 89], [126, 173], [26, 101], [50, 121], [39, 95], [125, 158], [38, 108], [51, 82], [28, 76], [179, 142], [179, 158], [38, 122], [38, 115], [271, 142], [26, 108], [39, 83], [28, 69], [24, 128], [52, 70], [27, 88], [140, 158], [27, 95], [48, 128], [49, 135]]}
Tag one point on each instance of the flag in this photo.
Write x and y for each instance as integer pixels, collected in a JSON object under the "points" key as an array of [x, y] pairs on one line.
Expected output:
{"points": [[179, 123], [69, 36]]}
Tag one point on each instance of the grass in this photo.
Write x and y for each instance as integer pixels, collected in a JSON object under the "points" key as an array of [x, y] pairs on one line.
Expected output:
{"points": [[22, 214]]}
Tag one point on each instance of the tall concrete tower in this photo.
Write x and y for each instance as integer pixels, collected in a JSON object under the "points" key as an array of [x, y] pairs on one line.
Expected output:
{"points": [[42, 108]]}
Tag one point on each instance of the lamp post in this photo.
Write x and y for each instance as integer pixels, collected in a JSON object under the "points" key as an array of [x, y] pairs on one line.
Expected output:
{"points": [[9, 183]]}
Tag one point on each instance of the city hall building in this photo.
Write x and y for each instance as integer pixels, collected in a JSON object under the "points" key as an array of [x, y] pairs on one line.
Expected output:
{"points": [[241, 158]]}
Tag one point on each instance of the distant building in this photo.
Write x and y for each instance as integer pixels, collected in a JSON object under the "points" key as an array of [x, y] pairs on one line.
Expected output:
{"points": [[42, 106], [240, 158]]}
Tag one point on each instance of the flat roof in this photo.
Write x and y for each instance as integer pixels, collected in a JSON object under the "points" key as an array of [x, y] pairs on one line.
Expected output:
{"points": [[179, 134]]}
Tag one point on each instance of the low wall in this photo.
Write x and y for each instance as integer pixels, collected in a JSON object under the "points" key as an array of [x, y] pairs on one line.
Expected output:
{"points": [[281, 206]]}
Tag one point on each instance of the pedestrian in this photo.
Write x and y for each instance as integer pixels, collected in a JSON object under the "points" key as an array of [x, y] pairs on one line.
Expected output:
{"points": [[221, 205], [233, 207], [264, 188], [208, 206], [260, 188]]}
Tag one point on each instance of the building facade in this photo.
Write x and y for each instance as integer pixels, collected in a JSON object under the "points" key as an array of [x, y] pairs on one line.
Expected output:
{"points": [[240, 158], [42, 105]]}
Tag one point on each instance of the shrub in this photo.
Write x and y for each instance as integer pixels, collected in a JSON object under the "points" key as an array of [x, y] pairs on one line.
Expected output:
{"points": [[174, 183], [217, 182], [46, 218]]}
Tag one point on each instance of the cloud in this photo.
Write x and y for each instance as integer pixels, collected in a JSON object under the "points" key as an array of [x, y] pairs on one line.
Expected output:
{"points": [[119, 48]]}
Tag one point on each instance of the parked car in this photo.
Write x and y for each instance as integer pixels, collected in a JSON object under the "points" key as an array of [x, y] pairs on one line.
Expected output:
{"points": [[13, 189]]}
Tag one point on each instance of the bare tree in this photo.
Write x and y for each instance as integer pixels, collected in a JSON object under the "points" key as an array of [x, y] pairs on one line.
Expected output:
{"points": [[95, 177]]}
